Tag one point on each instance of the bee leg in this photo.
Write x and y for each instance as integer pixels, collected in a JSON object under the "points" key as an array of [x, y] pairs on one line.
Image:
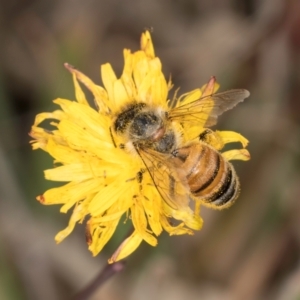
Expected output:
{"points": [[139, 177], [212, 138], [197, 207]]}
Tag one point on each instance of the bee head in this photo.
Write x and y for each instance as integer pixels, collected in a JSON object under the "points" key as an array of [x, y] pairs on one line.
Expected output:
{"points": [[146, 125]]}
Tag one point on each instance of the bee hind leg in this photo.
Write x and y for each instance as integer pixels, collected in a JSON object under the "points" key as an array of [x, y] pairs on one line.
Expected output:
{"points": [[213, 138]]}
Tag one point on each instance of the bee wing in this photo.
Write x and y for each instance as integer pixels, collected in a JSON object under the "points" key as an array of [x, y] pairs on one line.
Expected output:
{"points": [[168, 181], [205, 110]]}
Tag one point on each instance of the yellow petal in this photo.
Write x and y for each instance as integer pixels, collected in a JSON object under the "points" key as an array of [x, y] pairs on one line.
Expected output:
{"points": [[87, 118], [189, 97], [101, 234], [159, 91], [108, 196], [152, 210], [139, 222], [153, 88], [79, 94], [140, 67], [232, 137], [242, 154], [112, 214], [147, 45], [174, 230], [100, 95], [70, 193], [110, 217], [80, 139], [186, 215], [207, 90], [210, 88], [63, 153], [58, 115], [126, 248], [41, 137], [82, 171], [120, 93], [101, 227], [126, 77], [109, 78], [75, 217]]}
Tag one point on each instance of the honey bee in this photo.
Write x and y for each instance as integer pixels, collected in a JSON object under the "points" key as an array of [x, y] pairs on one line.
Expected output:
{"points": [[182, 170]]}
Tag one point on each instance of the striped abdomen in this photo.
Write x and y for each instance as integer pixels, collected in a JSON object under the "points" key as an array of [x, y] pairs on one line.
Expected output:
{"points": [[210, 177]]}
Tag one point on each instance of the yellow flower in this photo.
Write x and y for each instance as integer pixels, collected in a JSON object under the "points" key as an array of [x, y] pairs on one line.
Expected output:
{"points": [[105, 177]]}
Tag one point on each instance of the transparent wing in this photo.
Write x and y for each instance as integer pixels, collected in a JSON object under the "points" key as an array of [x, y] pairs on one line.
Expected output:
{"points": [[170, 184], [205, 110]]}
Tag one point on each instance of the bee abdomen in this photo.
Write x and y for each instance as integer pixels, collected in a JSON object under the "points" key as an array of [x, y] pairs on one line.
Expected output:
{"points": [[213, 179], [226, 193]]}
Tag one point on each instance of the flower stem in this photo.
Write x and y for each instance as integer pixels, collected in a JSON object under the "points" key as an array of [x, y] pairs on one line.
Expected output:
{"points": [[108, 271]]}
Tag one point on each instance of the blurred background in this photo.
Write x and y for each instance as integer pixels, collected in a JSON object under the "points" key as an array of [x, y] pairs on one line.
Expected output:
{"points": [[250, 251]]}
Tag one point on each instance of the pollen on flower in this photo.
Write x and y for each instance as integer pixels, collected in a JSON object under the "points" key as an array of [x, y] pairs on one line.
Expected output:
{"points": [[136, 155]]}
